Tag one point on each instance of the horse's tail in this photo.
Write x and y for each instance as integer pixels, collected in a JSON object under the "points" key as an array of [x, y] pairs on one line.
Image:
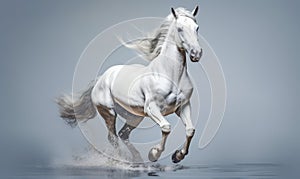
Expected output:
{"points": [[77, 107]]}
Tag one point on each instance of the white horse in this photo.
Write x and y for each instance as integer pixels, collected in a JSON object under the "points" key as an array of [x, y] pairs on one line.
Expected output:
{"points": [[136, 91]]}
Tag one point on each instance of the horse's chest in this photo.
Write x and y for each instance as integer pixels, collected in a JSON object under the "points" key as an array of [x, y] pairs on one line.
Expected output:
{"points": [[170, 101], [175, 98]]}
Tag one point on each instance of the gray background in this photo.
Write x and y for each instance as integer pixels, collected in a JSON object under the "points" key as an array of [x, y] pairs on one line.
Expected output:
{"points": [[256, 41]]}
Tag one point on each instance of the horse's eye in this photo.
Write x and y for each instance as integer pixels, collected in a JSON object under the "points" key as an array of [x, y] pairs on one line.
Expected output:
{"points": [[180, 29]]}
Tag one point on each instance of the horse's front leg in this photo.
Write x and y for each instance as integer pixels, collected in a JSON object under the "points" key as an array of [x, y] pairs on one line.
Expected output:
{"points": [[153, 111], [184, 112]]}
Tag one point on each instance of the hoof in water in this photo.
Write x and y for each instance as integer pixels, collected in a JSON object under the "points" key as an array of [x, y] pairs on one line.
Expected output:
{"points": [[177, 156]]}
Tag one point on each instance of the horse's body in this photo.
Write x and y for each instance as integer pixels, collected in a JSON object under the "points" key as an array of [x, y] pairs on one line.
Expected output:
{"points": [[172, 85], [136, 91]]}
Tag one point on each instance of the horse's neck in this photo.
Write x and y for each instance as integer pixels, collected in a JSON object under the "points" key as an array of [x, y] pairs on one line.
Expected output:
{"points": [[171, 61], [172, 56]]}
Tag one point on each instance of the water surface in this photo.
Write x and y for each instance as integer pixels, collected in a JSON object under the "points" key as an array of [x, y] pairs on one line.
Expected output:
{"points": [[150, 170]]}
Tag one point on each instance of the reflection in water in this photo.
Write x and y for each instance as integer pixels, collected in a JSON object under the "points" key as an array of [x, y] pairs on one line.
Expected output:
{"points": [[150, 170], [94, 165]]}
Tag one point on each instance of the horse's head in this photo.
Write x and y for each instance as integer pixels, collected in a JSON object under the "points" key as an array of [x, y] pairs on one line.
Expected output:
{"points": [[187, 30]]}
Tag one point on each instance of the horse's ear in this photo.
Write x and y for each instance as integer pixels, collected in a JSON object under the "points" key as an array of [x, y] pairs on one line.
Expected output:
{"points": [[195, 11], [173, 12]]}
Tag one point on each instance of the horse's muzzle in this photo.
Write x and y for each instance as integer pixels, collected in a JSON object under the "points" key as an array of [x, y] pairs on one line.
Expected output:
{"points": [[196, 55]]}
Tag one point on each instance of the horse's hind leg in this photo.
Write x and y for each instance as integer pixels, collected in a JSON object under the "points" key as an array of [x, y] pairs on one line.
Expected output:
{"points": [[124, 135], [109, 115]]}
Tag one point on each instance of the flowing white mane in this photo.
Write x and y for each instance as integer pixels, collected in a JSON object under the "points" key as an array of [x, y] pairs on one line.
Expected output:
{"points": [[150, 46]]}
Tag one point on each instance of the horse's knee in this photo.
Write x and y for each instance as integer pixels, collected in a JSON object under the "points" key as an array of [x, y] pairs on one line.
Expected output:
{"points": [[190, 132], [166, 128]]}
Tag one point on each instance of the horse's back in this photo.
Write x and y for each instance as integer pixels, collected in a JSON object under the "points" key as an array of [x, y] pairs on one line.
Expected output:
{"points": [[126, 85], [119, 84], [127, 75]]}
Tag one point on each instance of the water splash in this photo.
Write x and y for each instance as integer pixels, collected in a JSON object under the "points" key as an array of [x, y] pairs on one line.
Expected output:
{"points": [[92, 158]]}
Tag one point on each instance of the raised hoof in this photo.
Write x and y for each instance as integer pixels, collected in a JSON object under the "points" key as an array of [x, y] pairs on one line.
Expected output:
{"points": [[177, 156], [154, 154]]}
